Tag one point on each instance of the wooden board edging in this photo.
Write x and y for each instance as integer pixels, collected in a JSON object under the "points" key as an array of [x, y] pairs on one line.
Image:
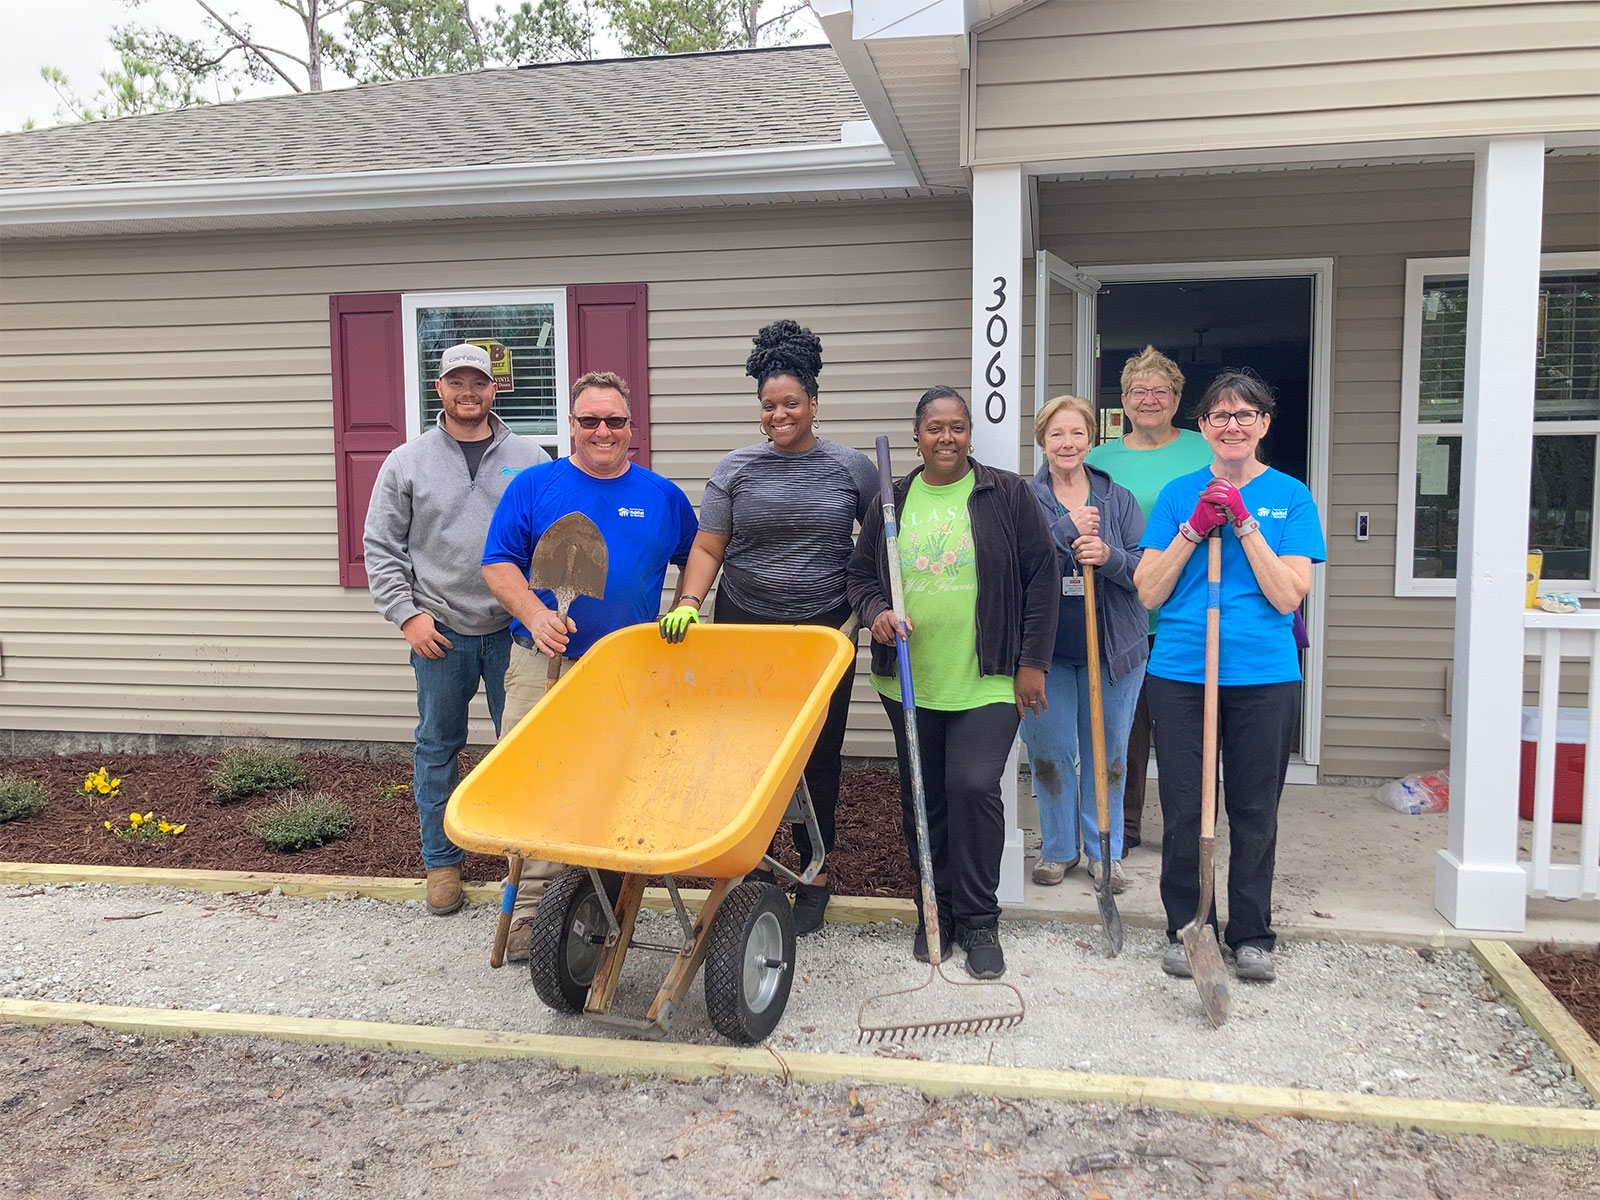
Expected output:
{"points": [[1527, 1125], [1540, 1008]]}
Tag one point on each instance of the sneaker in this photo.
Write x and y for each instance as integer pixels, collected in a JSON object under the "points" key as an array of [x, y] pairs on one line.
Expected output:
{"points": [[985, 959], [761, 875], [919, 943], [1119, 881], [1130, 840], [1047, 873], [444, 890], [1176, 961], [810, 903], [1254, 963]]}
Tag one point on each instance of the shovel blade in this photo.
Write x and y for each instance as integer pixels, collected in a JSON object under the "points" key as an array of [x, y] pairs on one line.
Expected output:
{"points": [[1210, 973], [1110, 918], [570, 559]]}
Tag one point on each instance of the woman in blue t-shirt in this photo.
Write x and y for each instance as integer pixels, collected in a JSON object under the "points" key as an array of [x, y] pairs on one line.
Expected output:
{"points": [[1267, 554]]}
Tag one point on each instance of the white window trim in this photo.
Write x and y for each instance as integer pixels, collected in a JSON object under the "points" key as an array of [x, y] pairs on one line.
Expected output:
{"points": [[1418, 269], [558, 443]]}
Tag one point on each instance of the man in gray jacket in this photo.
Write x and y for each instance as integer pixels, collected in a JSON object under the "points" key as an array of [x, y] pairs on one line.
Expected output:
{"points": [[424, 541]]}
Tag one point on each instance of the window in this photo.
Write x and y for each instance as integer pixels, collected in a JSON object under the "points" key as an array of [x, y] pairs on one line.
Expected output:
{"points": [[526, 336], [1566, 424]]}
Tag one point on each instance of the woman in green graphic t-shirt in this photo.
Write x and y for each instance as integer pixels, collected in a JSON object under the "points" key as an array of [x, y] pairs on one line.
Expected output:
{"points": [[980, 592], [1151, 454]]}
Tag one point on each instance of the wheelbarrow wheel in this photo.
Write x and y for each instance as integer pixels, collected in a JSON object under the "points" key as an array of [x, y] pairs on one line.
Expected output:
{"points": [[750, 962], [569, 931]]}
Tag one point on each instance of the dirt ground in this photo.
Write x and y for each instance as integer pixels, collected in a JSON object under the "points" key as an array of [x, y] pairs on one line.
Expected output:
{"points": [[90, 1114]]}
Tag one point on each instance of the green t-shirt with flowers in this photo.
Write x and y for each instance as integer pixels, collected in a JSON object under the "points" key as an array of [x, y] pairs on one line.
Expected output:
{"points": [[940, 575]]}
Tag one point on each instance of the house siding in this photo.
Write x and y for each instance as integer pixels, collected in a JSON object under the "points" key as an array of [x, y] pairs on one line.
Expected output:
{"points": [[168, 558], [1386, 656], [1080, 79]]}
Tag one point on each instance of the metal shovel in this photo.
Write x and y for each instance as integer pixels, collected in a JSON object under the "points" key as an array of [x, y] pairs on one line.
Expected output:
{"points": [[1198, 937], [1109, 916], [997, 1005], [571, 561]]}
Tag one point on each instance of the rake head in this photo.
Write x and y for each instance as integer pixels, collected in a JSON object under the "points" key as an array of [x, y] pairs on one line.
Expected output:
{"points": [[1005, 1008]]}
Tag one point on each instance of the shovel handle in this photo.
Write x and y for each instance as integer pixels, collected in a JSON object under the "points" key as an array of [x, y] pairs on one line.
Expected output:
{"points": [[1097, 707], [1208, 744], [508, 903]]}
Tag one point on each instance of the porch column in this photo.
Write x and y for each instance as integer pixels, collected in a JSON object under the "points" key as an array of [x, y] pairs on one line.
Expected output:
{"points": [[998, 198], [1478, 884]]}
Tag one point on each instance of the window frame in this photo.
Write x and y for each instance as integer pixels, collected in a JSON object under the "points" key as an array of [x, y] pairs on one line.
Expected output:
{"points": [[1418, 270], [559, 443]]}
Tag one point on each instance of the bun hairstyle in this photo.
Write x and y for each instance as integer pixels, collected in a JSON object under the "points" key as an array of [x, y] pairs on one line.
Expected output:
{"points": [[785, 348]]}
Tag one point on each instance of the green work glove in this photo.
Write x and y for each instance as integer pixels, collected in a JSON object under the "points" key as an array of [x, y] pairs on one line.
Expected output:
{"points": [[676, 623]]}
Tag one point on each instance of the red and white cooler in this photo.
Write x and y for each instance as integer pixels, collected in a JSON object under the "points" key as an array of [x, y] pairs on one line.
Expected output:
{"points": [[1572, 732]]}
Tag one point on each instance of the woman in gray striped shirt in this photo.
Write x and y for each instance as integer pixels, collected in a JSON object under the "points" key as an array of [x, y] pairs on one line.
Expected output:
{"points": [[779, 519]]}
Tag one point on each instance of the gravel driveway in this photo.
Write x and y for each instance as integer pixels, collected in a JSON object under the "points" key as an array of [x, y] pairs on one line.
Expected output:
{"points": [[1343, 1018]]}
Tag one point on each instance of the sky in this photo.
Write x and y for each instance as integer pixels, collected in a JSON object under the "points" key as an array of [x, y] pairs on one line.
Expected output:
{"points": [[71, 34]]}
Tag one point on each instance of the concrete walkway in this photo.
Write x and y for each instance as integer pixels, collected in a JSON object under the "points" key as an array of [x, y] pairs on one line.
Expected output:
{"points": [[1349, 869]]}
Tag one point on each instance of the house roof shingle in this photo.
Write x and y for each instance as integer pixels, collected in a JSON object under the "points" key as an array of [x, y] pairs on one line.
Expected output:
{"points": [[616, 108]]}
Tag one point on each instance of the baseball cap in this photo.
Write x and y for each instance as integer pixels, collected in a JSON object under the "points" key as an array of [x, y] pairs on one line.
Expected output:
{"points": [[465, 355]]}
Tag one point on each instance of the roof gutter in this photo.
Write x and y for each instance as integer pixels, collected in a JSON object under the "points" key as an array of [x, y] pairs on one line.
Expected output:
{"points": [[859, 161]]}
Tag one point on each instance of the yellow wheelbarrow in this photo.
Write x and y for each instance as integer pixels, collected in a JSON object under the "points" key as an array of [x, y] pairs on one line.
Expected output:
{"points": [[655, 759]]}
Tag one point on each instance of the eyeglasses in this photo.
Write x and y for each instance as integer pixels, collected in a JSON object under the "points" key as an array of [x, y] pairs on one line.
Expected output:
{"points": [[594, 422], [1246, 417], [1160, 393]]}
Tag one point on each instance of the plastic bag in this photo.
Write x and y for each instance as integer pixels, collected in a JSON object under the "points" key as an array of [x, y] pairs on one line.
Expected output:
{"points": [[1424, 792]]}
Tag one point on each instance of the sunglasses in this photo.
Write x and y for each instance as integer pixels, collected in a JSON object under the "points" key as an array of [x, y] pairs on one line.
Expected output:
{"points": [[594, 422]]}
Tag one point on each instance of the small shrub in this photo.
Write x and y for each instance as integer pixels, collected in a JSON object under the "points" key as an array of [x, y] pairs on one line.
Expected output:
{"points": [[20, 797], [244, 773], [301, 822]]}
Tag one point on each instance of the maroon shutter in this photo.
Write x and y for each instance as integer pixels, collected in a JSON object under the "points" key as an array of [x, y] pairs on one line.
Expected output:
{"points": [[608, 330], [369, 411]]}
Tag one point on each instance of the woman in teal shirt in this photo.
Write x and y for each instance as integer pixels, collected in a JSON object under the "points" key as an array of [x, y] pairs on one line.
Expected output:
{"points": [[1150, 455], [980, 579]]}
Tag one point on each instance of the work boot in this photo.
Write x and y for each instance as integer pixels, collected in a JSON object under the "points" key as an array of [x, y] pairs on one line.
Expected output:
{"points": [[519, 940], [985, 959], [1119, 881], [919, 943], [1176, 961], [444, 890], [810, 903], [1254, 963]]}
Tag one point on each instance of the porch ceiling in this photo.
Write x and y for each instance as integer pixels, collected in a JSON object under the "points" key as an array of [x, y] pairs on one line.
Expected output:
{"points": [[922, 78]]}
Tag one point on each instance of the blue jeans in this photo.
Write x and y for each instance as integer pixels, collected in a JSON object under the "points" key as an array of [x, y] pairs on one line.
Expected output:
{"points": [[1061, 754], [445, 687]]}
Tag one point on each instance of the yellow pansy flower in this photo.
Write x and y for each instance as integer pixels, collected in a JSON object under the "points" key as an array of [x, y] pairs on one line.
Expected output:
{"points": [[135, 820], [164, 827], [176, 829], [108, 824]]}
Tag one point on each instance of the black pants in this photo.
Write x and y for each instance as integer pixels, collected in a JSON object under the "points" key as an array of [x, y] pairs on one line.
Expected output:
{"points": [[1255, 726], [963, 757], [822, 768]]}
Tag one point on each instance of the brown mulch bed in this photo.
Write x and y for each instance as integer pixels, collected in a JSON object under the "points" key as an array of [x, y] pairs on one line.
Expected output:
{"points": [[1573, 977], [870, 858]]}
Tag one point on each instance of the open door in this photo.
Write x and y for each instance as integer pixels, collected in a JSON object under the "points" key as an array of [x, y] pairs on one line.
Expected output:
{"points": [[1053, 272]]}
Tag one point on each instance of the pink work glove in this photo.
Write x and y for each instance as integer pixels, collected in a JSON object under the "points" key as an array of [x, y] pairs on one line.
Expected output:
{"points": [[1206, 517], [1226, 497]]}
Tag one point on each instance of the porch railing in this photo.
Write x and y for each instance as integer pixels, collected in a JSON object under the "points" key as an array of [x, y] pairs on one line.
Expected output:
{"points": [[1549, 638]]}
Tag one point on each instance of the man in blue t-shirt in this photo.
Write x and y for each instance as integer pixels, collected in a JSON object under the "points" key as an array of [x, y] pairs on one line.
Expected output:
{"points": [[647, 522], [645, 518]]}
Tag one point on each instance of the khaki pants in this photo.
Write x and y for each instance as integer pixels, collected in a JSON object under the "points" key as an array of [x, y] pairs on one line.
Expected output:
{"points": [[527, 677]]}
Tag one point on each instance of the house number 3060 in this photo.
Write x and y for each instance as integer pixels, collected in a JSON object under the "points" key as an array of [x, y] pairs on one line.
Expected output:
{"points": [[995, 333]]}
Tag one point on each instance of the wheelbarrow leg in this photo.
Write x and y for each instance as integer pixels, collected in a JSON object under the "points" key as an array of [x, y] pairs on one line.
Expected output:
{"points": [[608, 970], [687, 965]]}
